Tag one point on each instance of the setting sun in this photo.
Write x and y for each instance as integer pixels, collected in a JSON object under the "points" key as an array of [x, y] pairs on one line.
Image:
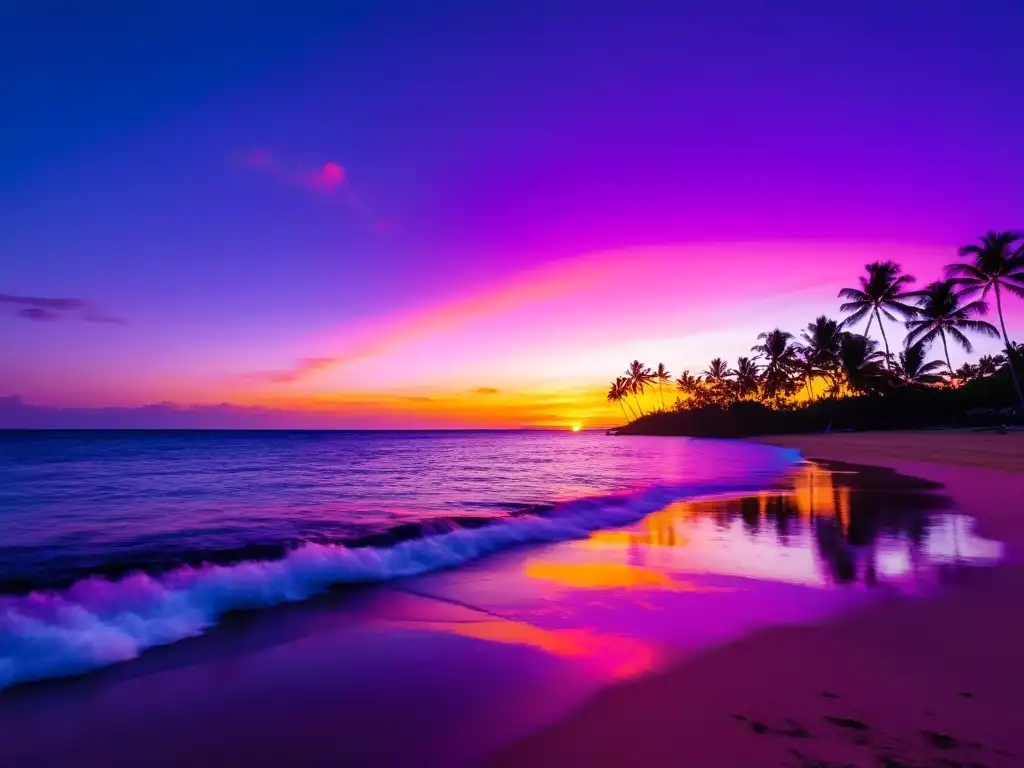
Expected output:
{"points": [[575, 427]]}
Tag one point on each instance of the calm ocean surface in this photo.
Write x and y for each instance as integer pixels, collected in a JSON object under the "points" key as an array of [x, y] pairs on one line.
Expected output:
{"points": [[76, 503]]}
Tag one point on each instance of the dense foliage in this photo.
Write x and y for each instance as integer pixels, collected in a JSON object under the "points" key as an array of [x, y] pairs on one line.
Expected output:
{"points": [[831, 377]]}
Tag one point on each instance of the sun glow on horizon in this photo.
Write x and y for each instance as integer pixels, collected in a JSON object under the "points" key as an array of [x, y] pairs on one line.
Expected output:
{"points": [[575, 427]]}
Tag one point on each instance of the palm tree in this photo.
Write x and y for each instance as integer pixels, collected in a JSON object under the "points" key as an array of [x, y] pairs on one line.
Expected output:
{"points": [[990, 365], [617, 393], [748, 377], [880, 293], [639, 377], [1014, 353], [687, 383], [914, 371], [662, 375], [940, 314], [716, 376], [861, 363], [693, 386], [717, 371], [997, 265], [781, 361], [820, 348], [967, 373]]}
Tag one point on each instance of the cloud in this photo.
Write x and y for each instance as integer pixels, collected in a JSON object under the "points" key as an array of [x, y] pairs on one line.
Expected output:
{"points": [[35, 313], [329, 179], [41, 309], [303, 368], [487, 391]]}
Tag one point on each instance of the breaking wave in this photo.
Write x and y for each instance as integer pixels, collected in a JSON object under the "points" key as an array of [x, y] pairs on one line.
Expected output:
{"points": [[98, 621]]}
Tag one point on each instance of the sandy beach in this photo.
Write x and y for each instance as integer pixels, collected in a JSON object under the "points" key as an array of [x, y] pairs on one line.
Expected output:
{"points": [[932, 682]]}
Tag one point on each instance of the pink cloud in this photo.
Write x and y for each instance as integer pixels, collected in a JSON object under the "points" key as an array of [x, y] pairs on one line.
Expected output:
{"points": [[330, 179]]}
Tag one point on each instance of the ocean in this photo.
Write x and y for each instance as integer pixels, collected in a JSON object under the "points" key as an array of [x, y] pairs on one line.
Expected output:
{"points": [[114, 542]]}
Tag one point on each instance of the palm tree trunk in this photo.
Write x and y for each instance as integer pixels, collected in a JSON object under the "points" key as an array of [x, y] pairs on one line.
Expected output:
{"points": [[946, 350], [626, 401], [639, 407], [888, 365], [661, 396], [624, 411], [1009, 353]]}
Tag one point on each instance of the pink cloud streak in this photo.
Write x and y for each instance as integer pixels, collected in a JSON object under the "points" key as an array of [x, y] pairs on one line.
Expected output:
{"points": [[329, 179]]}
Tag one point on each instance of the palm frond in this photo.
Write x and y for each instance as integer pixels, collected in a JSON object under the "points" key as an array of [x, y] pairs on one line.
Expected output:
{"points": [[854, 295], [960, 339], [980, 327]]}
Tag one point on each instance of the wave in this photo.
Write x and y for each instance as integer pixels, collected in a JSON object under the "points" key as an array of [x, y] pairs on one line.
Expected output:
{"points": [[98, 621], [60, 572]]}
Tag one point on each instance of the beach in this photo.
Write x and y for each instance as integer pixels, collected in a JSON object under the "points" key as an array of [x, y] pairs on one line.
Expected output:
{"points": [[723, 630], [923, 682]]}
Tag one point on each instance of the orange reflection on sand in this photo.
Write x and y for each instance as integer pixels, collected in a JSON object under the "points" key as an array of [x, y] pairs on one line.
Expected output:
{"points": [[607, 576], [621, 657]]}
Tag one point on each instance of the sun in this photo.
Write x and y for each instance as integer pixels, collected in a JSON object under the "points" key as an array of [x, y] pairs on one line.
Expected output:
{"points": [[575, 427]]}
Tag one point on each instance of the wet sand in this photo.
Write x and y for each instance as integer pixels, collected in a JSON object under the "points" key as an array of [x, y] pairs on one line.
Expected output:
{"points": [[933, 682], [600, 649]]}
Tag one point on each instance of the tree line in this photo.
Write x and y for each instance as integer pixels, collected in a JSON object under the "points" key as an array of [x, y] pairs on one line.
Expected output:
{"points": [[830, 360]]}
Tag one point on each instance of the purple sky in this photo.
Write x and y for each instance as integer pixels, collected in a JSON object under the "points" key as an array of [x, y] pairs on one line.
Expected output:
{"points": [[222, 194]]}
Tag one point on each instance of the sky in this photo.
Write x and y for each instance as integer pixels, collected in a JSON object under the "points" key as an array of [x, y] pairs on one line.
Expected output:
{"points": [[464, 214]]}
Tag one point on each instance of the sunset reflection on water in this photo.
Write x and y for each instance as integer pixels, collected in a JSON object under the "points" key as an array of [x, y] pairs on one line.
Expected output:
{"points": [[823, 527], [705, 571]]}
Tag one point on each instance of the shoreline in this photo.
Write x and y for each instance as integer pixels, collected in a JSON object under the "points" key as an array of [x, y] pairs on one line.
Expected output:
{"points": [[540, 668], [931, 681]]}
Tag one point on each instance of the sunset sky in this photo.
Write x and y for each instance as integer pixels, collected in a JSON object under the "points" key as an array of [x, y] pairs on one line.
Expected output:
{"points": [[404, 214]]}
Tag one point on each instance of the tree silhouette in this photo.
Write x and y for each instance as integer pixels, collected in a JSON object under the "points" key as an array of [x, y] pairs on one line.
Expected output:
{"points": [[967, 373], [693, 386], [639, 377], [990, 365], [662, 376], [940, 314], [861, 364], [914, 371], [996, 265], [781, 363], [820, 349], [617, 394], [881, 292], [716, 376], [747, 378]]}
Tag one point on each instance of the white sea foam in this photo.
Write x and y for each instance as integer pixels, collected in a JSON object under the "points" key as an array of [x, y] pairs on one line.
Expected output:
{"points": [[97, 622]]}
